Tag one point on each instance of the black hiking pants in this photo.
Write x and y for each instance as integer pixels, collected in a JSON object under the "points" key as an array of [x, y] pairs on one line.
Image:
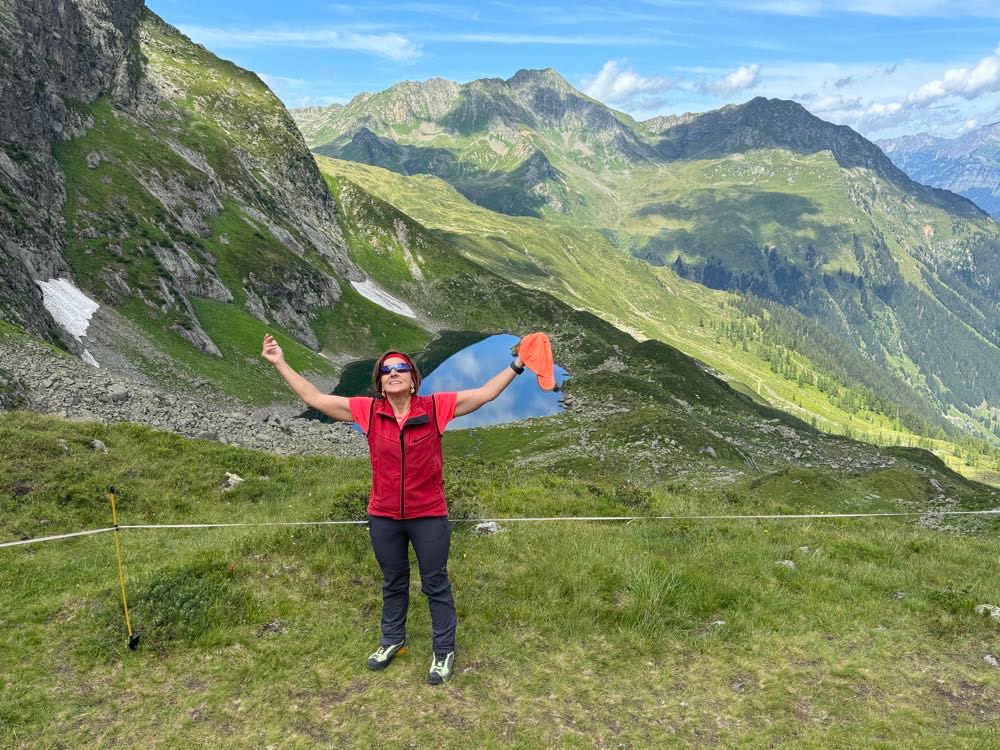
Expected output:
{"points": [[431, 540]]}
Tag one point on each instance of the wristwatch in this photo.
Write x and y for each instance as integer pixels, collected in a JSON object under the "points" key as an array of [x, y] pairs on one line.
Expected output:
{"points": [[517, 370]]}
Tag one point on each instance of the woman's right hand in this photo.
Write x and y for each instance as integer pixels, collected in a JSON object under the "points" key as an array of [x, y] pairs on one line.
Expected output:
{"points": [[272, 351]]}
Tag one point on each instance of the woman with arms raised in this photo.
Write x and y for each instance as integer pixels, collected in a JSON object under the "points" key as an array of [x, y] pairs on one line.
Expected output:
{"points": [[407, 503]]}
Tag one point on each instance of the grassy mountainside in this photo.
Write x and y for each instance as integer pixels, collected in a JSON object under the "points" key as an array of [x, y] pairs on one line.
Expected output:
{"points": [[647, 634], [198, 214], [770, 353], [761, 198]]}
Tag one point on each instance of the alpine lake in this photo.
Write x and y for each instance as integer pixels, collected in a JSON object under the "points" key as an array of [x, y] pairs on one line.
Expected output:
{"points": [[459, 360]]}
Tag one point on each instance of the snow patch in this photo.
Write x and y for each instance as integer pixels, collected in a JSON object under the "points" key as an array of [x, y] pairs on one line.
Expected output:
{"points": [[370, 291], [70, 308]]}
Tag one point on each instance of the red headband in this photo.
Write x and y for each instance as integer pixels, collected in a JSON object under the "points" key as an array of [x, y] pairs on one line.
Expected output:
{"points": [[396, 354]]}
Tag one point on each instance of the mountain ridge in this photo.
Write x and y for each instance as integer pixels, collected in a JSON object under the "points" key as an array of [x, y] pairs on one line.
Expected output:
{"points": [[759, 197], [968, 164]]}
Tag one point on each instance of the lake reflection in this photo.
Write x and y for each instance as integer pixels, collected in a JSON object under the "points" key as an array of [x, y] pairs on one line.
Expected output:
{"points": [[476, 364], [469, 367]]}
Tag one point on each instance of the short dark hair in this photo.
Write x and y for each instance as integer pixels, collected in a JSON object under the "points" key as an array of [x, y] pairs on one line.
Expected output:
{"points": [[377, 375]]}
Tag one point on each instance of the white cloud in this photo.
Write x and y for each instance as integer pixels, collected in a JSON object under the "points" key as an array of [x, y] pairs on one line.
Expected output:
{"points": [[390, 45], [743, 78], [832, 103], [625, 40], [298, 92], [981, 78], [622, 86], [965, 82], [967, 126], [889, 8], [929, 92]]}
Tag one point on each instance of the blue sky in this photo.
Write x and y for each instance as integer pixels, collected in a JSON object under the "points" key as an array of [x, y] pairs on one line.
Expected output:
{"points": [[884, 67]]}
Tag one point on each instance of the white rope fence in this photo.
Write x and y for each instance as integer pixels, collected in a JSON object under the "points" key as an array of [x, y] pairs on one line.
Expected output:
{"points": [[539, 519]]}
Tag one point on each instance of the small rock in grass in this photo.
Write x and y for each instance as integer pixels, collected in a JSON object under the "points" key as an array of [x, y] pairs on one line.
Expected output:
{"points": [[991, 660], [988, 610], [275, 626], [790, 564], [232, 480], [898, 595], [98, 446], [804, 549], [487, 527]]}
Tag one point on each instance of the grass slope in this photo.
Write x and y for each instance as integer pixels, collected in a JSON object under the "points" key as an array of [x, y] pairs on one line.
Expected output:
{"points": [[680, 634]]}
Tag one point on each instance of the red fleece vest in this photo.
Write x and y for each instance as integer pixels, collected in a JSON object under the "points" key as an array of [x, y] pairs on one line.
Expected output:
{"points": [[407, 462]]}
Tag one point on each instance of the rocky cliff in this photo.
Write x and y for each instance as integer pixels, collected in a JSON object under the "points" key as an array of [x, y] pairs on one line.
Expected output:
{"points": [[150, 172], [56, 59]]}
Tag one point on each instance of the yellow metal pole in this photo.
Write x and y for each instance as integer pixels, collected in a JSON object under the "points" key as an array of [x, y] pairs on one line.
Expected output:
{"points": [[133, 638]]}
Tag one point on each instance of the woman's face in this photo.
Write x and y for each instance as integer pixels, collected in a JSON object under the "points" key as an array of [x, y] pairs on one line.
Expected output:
{"points": [[396, 382]]}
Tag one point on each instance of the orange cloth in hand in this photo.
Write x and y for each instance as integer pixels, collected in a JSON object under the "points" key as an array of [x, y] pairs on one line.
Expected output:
{"points": [[536, 353]]}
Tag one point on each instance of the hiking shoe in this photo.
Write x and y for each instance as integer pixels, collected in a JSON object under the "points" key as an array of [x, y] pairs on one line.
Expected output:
{"points": [[441, 668], [385, 654]]}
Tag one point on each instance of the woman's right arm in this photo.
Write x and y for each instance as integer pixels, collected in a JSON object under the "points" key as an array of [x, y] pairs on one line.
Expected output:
{"points": [[335, 407]]}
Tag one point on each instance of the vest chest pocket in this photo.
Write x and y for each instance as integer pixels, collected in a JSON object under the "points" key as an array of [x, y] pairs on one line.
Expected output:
{"points": [[418, 429], [419, 436]]}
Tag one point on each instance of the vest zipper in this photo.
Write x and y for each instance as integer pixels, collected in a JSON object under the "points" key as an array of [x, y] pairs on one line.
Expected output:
{"points": [[402, 471]]}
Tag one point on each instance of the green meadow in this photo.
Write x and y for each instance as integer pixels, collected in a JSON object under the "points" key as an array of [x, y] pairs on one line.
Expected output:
{"points": [[571, 634]]}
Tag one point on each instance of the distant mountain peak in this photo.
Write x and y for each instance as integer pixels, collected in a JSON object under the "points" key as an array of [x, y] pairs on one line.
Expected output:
{"points": [[968, 164], [539, 77]]}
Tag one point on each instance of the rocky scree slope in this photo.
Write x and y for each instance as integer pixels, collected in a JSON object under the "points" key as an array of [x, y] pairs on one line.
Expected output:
{"points": [[37, 377]]}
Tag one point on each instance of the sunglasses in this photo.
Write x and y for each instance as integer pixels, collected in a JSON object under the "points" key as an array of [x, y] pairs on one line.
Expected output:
{"points": [[398, 367]]}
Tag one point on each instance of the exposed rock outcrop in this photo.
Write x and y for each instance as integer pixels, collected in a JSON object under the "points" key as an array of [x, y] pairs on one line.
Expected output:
{"points": [[58, 57], [210, 136]]}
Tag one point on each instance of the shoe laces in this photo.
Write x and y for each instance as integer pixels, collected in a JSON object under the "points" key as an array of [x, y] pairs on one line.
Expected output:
{"points": [[440, 662]]}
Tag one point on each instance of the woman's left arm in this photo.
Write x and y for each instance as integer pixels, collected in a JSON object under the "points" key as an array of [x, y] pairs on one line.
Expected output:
{"points": [[470, 400]]}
